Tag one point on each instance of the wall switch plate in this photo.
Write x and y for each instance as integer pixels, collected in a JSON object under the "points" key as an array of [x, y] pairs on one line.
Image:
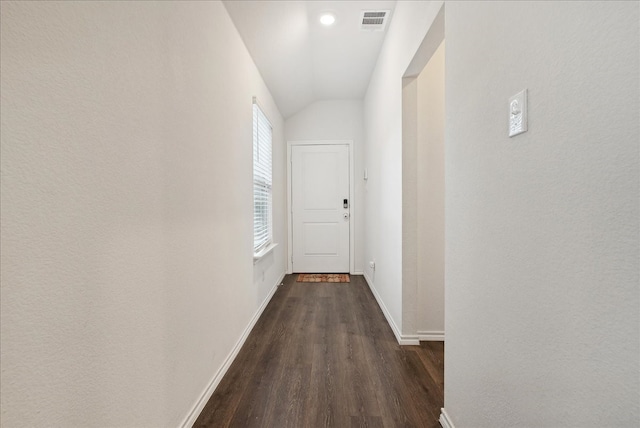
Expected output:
{"points": [[518, 113]]}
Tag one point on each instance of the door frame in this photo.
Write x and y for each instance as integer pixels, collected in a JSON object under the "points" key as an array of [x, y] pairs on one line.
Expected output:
{"points": [[352, 206]]}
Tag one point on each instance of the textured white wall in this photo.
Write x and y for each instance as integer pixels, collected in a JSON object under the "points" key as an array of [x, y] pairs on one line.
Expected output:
{"points": [[542, 251], [126, 250], [429, 312], [336, 120], [410, 119], [383, 151]]}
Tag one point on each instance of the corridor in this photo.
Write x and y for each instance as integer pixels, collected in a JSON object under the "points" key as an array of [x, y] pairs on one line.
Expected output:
{"points": [[322, 355]]}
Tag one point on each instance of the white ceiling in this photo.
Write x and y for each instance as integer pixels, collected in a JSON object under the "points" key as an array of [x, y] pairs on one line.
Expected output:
{"points": [[303, 61]]}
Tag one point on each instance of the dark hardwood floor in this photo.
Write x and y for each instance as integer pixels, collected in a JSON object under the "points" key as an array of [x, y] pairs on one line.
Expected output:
{"points": [[323, 355]]}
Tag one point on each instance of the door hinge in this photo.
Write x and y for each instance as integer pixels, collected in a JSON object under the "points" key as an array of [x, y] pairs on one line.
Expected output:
{"points": [[291, 259]]}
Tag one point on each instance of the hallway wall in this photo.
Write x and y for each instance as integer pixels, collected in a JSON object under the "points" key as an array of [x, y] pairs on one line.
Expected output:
{"points": [[337, 120], [542, 248], [126, 213], [383, 156]]}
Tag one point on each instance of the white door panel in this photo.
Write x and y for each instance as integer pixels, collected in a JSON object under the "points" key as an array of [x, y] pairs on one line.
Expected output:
{"points": [[319, 186], [319, 180], [321, 239]]}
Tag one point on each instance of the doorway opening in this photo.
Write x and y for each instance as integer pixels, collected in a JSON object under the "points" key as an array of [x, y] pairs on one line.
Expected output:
{"points": [[423, 189]]}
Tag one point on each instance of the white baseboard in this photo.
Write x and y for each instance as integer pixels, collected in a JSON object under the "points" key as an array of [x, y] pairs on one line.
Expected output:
{"points": [[402, 340], [431, 336], [357, 272], [445, 420], [190, 419]]}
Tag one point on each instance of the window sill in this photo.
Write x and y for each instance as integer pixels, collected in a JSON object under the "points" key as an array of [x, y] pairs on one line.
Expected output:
{"points": [[266, 250]]}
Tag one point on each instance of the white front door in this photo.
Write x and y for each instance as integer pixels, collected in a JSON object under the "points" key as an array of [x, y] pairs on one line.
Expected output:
{"points": [[320, 204]]}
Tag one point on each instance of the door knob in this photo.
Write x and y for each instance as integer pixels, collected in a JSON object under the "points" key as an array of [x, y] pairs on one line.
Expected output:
{"points": [[345, 216]]}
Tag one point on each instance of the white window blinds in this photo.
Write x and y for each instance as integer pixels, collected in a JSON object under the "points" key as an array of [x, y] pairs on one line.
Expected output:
{"points": [[262, 182]]}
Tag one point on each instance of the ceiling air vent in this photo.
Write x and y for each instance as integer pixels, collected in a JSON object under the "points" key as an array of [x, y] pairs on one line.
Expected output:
{"points": [[374, 20]]}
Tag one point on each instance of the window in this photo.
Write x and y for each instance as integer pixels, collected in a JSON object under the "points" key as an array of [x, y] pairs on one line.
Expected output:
{"points": [[262, 181]]}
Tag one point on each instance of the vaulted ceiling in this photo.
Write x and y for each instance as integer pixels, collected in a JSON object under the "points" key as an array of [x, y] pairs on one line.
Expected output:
{"points": [[303, 61]]}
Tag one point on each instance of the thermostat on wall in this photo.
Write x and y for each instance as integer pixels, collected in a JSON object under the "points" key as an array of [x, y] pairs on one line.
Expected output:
{"points": [[518, 113]]}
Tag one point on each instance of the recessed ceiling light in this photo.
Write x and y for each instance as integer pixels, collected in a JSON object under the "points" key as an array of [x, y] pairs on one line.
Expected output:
{"points": [[327, 19]]}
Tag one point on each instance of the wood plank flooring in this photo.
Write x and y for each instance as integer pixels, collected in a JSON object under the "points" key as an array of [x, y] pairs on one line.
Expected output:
{"points": [[323, 355]]}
